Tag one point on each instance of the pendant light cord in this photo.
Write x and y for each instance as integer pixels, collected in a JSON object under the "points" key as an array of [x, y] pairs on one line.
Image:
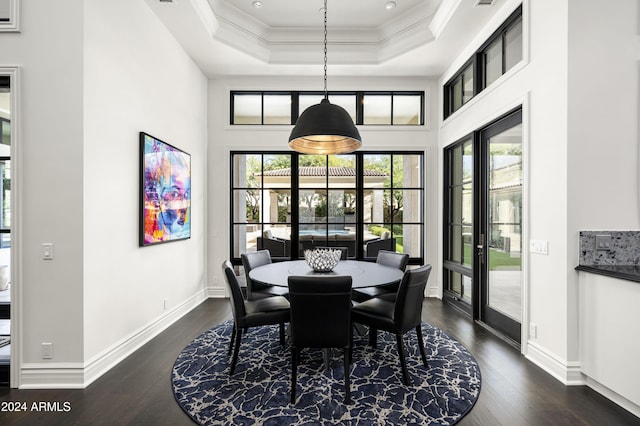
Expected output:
{"points": [[326, 94]]}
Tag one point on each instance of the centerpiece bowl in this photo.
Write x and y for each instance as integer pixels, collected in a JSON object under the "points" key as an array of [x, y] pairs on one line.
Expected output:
{"points": [[322, 260]]}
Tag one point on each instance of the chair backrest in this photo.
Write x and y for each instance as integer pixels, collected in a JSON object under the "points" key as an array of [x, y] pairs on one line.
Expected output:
{"points": [[408, 306], [252, 260], [393, 259], [320, 311], [237, 302], [343, 251]]}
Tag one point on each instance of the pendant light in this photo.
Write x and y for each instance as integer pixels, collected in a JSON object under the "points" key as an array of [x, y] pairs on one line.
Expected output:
{"points": [[325, 128]]}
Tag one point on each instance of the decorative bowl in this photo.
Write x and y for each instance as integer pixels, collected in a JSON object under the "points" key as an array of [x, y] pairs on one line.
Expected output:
{"points": [[322, 260]]}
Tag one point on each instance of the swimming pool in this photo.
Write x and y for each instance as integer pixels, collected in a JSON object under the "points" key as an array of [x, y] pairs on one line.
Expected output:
{"points": [[323, 232]]}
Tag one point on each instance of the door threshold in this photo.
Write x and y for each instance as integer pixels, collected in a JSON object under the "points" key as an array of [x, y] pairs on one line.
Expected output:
{"points": [[499, 334]]}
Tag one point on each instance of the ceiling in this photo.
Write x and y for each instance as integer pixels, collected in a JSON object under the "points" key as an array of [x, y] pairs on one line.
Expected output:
{"points": [[285, 37]]}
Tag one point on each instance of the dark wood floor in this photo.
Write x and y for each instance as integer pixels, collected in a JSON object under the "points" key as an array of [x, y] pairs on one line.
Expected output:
{"points": [[138, 390]]}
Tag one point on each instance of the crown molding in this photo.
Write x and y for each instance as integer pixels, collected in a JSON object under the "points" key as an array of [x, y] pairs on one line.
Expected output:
{"points": [[281, 45]]}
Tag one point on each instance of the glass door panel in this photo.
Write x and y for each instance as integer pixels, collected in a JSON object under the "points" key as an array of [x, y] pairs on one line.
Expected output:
{"points": [[504, 257], [499, 249], [459, 233]]}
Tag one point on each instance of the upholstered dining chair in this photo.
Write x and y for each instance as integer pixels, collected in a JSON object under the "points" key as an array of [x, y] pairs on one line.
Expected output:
{"points": [[252, 313], [398, 316], [256, 290], [320, 318], [387, 258]]}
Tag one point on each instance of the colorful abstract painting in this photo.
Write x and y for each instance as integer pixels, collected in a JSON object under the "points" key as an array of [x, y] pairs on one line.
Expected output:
{"points": [[165, 192]]}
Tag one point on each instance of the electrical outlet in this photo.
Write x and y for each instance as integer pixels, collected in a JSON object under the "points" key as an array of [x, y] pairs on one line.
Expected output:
{"points": [[166, 304], [533, 330], [215, 280], [604, 242], [47, 350]]}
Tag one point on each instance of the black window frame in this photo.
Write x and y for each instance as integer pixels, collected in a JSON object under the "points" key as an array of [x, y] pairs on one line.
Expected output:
{"points": [[478, 62], [359, 104], [359, 189]]}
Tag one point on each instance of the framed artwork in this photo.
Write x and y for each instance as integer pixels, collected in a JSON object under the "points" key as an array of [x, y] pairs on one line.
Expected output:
{"points": [[165, 192]]}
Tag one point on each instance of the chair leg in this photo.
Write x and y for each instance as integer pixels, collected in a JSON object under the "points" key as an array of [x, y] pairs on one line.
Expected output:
{"points": [[236, 349], [373, 336], [405, 375], [281, 334], [347, 383], [294, 372], [421, 343], [233, 336]]}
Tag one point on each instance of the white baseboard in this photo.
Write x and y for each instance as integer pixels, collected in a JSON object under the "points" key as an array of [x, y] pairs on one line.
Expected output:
{"points": [[216, 293], [567, 373], [630, 406], [79, 376], [52, 376]]}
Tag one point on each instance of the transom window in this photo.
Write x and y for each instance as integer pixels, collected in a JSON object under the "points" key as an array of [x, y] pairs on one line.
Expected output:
{"points": [[365, 202], [495, 57], [370, 108]]}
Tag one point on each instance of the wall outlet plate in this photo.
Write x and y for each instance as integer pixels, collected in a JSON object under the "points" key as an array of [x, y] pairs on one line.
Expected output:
{"points": [[539, 246], [604, 242]]}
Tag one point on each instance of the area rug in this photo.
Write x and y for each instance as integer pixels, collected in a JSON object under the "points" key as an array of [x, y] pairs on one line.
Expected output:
{"points": [[259, 390]]}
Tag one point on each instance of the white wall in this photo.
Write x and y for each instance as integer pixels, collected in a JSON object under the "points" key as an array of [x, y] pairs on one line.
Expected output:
{"points": [[579, 90], [137, 78], [92, 75], [223, 138], [539, 84], [49, 52], [603, 187], [609, 318]]}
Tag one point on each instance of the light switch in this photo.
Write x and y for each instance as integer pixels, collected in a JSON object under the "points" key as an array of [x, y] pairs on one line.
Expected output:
{"points": [[539, 246], [47, 251]]}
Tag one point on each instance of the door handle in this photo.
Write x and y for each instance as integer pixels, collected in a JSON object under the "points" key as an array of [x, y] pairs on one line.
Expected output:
{"points": [[480, 248]]}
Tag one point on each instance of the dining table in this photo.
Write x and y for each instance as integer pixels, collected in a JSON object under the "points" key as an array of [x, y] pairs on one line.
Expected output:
{"points": [[363, 274]]}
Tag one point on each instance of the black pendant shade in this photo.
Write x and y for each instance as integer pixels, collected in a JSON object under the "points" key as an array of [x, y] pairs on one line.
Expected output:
{"points": [[325, 129]]}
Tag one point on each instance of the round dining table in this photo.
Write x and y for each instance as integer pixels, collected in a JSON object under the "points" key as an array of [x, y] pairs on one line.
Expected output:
{"points": [[363, 274]]}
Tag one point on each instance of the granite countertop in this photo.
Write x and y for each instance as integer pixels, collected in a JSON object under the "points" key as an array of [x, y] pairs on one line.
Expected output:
{"points": [[625, 272]]}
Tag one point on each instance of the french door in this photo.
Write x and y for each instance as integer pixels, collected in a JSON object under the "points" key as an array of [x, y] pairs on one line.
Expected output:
{"points": [[483, 228]]}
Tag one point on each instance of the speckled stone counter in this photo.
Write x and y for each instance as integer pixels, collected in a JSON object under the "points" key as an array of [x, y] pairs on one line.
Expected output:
{"points": [[624, 272], [620, 260]]}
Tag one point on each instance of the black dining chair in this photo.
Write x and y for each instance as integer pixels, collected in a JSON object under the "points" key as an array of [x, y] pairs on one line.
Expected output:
{"points": [[398, 316], [257, 290], [252, 313], [386, 258], [320, 318]]}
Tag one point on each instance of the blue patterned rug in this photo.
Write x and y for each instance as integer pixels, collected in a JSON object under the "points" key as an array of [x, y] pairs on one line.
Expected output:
{"points": [[259, 391]]}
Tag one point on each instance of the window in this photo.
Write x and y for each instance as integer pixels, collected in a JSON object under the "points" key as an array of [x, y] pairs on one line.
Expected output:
{"points": [[502, 51], [288, 202], [369, 108], [460, 89], [458, 202], [261, 108], [497, 55]]}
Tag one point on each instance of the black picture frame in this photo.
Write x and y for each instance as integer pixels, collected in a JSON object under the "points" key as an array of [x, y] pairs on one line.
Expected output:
{"points": [[165, 192]]}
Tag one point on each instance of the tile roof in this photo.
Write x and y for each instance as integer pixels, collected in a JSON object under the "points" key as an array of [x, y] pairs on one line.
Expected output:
{"points": [[320, 171]]}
